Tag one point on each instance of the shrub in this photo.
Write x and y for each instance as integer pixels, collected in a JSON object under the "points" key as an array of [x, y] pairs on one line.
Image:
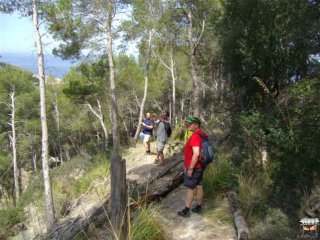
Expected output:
{"points": [[145, 225], [218, 177], [8, 219], [274, 226], [253, 193], [74, 178]]}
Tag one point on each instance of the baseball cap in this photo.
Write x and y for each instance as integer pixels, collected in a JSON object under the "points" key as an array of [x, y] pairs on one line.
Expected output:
{"points": [[192, 119]]}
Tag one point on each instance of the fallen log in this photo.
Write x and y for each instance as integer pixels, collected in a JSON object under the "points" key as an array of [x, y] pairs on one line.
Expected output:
{"points": [[151, 197], [165, 169], [240, 223], [70, 228]]}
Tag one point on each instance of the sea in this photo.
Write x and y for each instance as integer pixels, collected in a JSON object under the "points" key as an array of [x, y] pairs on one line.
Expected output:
{"points": [[54, 66]]}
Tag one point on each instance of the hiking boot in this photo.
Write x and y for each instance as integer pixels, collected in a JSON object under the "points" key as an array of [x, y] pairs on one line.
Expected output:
{"points": [[196, 209], [184, 213]]}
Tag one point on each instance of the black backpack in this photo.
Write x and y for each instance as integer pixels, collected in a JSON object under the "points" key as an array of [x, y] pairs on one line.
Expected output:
{"points": [[167, 126]]}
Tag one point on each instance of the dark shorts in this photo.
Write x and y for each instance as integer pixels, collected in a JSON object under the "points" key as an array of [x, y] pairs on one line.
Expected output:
{"points": [[195, 180]]}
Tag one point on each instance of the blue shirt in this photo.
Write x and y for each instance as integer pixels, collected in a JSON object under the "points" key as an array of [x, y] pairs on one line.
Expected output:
{"points": [[147, 131]]}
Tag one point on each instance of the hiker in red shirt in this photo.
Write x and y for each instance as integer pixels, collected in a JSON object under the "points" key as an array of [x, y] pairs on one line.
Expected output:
{"points": [[193, 172]]}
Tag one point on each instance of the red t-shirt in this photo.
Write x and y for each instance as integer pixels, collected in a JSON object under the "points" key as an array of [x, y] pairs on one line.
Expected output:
{"points": [[194, 141]]}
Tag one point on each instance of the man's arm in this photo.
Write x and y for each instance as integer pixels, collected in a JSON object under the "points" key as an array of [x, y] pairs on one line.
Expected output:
{"points": [[194, 160], [147, 126]]}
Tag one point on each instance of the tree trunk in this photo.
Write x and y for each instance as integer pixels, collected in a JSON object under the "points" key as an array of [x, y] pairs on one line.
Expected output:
{"points": [[172, 63], [171, 68], [34, 160], [50, 213], [158, 193], [14, 149], [264, 154], [99, 115], [57, 119], [118, 165], [33, 152], [146, 81], [192, 59]]}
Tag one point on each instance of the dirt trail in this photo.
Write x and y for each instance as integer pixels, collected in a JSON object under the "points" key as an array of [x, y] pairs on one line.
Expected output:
{"points": [[214, 223], [199, 226]]}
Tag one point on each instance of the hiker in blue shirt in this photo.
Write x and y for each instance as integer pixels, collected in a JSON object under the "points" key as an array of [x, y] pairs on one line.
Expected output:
{"points": [[147, 125]]}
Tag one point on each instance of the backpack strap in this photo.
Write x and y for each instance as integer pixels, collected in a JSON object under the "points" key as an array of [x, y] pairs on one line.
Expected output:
{"points": [[200, 159], [201, 136]]}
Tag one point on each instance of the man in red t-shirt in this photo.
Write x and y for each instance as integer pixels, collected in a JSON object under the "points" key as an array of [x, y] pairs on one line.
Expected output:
{"points": [[193, 172]]}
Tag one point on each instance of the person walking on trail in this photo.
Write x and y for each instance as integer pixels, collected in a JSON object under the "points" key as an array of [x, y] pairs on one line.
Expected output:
{"points": [[162, 137], [147, 125], [193, 171]]}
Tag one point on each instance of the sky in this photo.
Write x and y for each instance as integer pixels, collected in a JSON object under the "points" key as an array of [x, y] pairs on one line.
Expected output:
{"points": [[17, 41], [17, 35]]}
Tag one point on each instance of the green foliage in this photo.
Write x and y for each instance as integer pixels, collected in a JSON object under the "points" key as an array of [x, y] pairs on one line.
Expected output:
{"points": [[69, 181], [274, 226], [88, 78], [297, 163], [15, 78], [253, 194], [219, 177], [75, 178], [22, 86], [263, 47], [145, 225], [291, 136], [34, 192], [75, 88], [178, 132], [8, 219], [268, 39], [6, 176], [220, 210], [68, 26]]}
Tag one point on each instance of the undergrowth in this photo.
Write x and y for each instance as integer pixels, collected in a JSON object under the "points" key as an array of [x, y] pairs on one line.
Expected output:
{"points": [[8, 219], [145, 225], [219, 177], [69, 181]]}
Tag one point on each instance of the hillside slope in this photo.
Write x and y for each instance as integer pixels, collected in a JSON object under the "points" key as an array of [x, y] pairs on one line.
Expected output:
{"points": [[214, 223]]}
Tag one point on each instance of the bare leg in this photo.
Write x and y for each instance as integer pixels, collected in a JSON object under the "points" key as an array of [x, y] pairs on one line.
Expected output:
{"points": [[148, 147], [189, 197], [199, 195], [157, 159], [145, 146], [161, 157]]}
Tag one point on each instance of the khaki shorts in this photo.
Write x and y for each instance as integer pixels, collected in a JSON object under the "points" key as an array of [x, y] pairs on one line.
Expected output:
{"points": [[160, 145]]}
